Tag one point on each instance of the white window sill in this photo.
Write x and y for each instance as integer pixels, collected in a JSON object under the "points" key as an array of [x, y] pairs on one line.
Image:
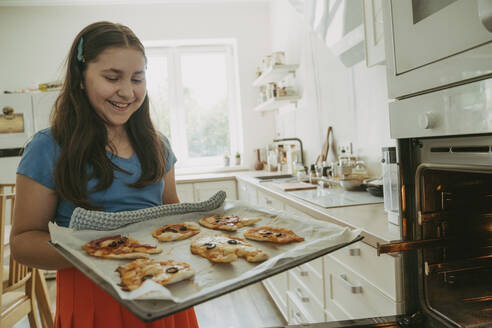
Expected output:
{"points": [[212, 169]]}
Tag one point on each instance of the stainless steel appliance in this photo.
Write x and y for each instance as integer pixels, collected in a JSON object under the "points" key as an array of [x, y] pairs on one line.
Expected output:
{"points": [[436, 44], [442, 120], [445, 212], [439, 68]]}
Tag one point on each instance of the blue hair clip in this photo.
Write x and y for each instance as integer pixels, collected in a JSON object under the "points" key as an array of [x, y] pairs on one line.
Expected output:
{"points": [[80, 56]]}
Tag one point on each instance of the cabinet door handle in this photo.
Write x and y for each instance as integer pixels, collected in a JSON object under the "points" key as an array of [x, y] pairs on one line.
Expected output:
{"points": [[303, 298], [269, 202], [302, 273], [354, 251], [354, 289]]}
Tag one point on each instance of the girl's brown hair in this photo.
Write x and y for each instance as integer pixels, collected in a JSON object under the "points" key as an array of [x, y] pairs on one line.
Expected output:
{"points": [[81, 132]]}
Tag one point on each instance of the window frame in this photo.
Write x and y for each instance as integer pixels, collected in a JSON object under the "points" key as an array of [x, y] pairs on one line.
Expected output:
{"points": [[173, 51]]}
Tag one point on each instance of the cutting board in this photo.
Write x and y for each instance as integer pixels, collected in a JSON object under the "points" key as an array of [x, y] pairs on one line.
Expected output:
{"points": [[291, 186]]}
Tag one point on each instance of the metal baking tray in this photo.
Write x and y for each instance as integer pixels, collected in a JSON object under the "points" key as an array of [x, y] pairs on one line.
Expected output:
{"points": [[150, 310]]}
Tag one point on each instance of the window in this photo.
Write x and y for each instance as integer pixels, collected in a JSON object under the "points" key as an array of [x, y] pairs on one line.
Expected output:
{"points": [[193, 93]]}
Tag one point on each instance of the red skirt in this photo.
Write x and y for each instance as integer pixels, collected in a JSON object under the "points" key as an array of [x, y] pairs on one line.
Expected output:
{"points": [[81, 303]]}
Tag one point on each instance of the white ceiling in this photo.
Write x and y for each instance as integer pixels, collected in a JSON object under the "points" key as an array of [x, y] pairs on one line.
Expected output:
{"points": [[110, 2]]}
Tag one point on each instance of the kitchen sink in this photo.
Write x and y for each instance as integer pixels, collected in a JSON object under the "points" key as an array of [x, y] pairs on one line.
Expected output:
{"points": [[274, 177]]}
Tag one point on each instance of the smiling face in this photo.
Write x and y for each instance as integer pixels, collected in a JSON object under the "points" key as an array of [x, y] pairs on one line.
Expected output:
{"points": [[115, 84]]}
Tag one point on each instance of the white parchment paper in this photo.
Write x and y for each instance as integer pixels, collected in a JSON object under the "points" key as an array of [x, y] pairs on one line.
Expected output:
{"points": [[209, 276]]}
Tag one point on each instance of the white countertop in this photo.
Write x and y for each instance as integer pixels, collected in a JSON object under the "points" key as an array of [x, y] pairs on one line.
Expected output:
{"points": [[370, 218]]}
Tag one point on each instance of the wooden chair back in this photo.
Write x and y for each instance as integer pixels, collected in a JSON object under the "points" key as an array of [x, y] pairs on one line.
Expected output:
{"points": [[7, 188], [18, 273], [15, 303]]}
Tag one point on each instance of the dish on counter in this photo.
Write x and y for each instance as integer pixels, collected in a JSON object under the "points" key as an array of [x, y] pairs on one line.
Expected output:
{"points": [[351, 184], [374, 186]]}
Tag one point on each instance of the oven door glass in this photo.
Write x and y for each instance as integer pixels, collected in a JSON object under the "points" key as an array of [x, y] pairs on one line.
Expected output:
{"points": [[429, 31]]}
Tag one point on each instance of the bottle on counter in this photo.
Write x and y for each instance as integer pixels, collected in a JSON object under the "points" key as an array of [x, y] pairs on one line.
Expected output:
{"points": [[301, 173], [312, 174]]}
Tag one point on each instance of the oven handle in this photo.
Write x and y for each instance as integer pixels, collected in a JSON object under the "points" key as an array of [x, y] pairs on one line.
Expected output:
{"points": [[401, 246]]}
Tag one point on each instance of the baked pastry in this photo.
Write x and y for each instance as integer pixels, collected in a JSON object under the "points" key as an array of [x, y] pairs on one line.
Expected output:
{"points": [[167, 272], [273, 234], [177, 231], [226, 222], [224, 249], [119, 247]]}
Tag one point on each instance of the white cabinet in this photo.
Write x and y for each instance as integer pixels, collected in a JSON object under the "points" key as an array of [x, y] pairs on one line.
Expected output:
{"points": [[350, 293], [350, 283], [277, 288], [267, 201], [303, 300], [247, 192], [361, 284], [200, 191], [381, 270]]}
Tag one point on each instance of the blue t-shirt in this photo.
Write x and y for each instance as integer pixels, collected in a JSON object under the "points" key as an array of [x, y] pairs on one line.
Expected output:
{"points": [[42, 153]]}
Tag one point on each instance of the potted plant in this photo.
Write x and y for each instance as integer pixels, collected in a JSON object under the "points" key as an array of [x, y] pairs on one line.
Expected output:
{"points": [[238, 159], [227, 160]]}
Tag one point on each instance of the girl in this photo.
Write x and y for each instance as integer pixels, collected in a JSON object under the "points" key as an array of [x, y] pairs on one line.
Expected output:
{"points": [[101, 152]]}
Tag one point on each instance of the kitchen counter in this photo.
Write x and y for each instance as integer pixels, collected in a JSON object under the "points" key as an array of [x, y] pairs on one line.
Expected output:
{"points": [[371, 219]]}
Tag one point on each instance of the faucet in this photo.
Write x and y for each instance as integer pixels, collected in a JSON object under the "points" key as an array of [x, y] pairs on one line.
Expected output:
{"points": [[293, 139]]}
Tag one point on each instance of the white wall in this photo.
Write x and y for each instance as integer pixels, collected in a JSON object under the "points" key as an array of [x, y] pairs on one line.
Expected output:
{"points": [[35, 40], [352, 100]]}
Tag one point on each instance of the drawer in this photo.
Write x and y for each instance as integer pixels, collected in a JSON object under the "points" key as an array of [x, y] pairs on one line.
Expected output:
{"points": [[333, 312], [268, 201], [296, 315], [277, 288], [353, 294], [381, 271], [311, 279], [311, 307], [247, 192], [315, 265]]}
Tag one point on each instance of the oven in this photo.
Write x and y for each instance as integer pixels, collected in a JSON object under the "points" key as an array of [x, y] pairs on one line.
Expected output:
{"points": [[439, 70], [446, 214], [444, 142], [444, 150]]}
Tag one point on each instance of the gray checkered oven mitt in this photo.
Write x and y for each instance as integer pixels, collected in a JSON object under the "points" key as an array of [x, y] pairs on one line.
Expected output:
{"points": [[83, 219]]}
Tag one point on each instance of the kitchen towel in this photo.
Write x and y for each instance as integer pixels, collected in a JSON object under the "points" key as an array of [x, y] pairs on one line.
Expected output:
{"points": [[83, 219]]}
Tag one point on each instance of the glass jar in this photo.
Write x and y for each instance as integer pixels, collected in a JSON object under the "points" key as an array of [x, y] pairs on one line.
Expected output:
{"points": [[278, 58], [390, 184]]}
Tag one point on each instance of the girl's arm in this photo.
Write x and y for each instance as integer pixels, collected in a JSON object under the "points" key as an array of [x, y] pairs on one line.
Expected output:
{"points": [[170, 195], [35, 205]]}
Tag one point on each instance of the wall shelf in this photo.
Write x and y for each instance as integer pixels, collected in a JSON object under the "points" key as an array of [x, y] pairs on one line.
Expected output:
{"points": [[274, 74], [277, 102]]}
